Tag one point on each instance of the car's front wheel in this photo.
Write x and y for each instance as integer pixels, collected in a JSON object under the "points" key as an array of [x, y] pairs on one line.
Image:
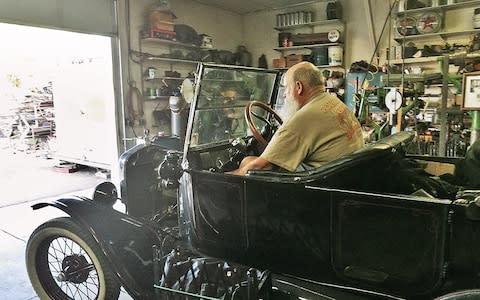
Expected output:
{"points": [[64, 262]]}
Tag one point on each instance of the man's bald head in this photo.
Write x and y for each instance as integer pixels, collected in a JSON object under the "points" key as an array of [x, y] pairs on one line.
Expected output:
{"points": [[307, 73], [302, 82]]}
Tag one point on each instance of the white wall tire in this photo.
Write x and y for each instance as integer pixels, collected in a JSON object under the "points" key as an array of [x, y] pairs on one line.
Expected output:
{"points": [[59, 247]]}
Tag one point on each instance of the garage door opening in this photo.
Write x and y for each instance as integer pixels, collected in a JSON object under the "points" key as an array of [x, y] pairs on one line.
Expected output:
{"points": [[57, 101]]}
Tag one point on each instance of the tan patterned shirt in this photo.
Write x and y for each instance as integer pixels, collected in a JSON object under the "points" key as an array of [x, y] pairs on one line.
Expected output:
{"points": [[321, 131]]}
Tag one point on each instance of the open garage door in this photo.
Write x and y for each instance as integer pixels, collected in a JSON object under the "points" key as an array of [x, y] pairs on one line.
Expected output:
{"points": [[96, 17], [87, 16]]}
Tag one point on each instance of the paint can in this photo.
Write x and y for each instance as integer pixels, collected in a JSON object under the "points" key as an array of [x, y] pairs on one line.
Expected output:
{"points": [[335, 55]]}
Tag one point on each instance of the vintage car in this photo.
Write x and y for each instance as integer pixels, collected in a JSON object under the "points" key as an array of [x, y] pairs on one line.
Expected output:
{"points": [[371, 225]]}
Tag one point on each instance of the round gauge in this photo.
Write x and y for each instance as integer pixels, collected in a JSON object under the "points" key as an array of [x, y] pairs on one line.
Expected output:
{"points": [[334, 36], [430, 22], [407, 26]]}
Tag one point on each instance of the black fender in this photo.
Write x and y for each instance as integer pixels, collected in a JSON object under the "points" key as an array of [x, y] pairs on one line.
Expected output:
{"points": [[126, 242]]}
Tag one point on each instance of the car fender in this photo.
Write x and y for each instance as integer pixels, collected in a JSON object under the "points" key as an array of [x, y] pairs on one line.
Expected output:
{"points": [[126, 242]]}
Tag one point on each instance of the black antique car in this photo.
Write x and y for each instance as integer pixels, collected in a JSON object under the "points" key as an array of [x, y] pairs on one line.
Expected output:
{"points": [[370, 225]]}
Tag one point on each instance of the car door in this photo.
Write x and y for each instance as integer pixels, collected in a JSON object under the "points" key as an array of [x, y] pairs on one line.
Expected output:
{"points": [[212, 213], [288, 228], [393, 242]]}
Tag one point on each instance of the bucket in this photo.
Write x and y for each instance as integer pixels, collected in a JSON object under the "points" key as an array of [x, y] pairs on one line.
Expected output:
{"points": [[335, 55], [320, 56], [476, 18]]}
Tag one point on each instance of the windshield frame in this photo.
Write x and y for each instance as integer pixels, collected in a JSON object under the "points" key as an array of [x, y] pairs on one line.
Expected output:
{"points": [[195, 105]]}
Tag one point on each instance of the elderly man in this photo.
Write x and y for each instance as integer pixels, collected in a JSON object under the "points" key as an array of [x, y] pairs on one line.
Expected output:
{"points": [[320, 130]]}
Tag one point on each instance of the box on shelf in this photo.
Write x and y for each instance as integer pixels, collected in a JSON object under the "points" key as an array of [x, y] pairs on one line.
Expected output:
{"points": [[162, 20], [278, 63], [293, 59]]}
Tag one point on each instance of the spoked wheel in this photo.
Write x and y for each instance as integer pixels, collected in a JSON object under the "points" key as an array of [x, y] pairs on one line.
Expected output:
{"points": [[64, 262]]}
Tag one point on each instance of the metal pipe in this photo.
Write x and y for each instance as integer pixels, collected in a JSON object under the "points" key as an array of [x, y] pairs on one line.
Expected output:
{"points": [[442, 147], [369, 17], [475, 129]]}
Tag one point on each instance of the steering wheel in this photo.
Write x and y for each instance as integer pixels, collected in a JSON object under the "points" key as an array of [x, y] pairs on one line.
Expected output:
{"points": [[248, 118]]}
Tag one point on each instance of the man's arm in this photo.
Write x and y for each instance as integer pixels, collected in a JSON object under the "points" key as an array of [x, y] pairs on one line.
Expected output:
{"points": [[252, 163]]}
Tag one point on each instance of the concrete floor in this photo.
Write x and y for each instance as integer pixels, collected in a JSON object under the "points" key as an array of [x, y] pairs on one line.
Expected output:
{"points": [[25, 180]]}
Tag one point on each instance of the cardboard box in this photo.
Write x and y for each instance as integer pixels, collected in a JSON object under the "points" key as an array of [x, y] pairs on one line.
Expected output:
{"points": [[310, 38], [278, 63], [293, 59]]}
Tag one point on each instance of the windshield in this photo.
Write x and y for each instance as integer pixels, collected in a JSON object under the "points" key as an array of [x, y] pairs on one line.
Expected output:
{"points": [[221, 99]]}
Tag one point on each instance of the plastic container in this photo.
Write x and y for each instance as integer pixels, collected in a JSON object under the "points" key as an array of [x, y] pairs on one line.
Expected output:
{"points": [[335, 55]]}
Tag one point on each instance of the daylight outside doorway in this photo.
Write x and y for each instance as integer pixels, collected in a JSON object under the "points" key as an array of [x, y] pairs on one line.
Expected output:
{"points": [[57, 108]]}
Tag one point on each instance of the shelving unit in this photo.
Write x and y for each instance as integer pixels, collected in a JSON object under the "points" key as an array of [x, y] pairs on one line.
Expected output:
{"points": [[161, 61], [335, 23], [430, 59], [445, 7], [164, 55], [443, 35], [450, 32]]}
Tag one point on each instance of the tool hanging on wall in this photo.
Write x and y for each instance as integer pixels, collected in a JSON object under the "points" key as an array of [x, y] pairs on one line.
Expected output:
{"points": [[393, 101], [135, 113]]}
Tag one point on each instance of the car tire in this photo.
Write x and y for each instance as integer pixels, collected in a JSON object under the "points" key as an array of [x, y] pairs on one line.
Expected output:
{"points": [[461, 295], [60, 245]]}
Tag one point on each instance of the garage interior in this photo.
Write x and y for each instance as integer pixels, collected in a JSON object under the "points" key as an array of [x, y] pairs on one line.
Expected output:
{"points": [[399, 65]]}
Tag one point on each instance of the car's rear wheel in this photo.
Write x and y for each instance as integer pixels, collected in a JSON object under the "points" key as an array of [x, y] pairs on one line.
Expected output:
{"points": [[461, 295], [64, 262]]}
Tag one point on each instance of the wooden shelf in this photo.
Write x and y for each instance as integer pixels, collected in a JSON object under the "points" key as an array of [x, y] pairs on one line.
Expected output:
{"points": [[334, 22], [320, 67], [443, 35], [293, 48], [430, 59], [170, 43], [445, 7]]}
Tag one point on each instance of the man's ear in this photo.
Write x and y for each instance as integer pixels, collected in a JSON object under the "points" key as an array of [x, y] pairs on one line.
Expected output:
{"points": [[299, 86]]}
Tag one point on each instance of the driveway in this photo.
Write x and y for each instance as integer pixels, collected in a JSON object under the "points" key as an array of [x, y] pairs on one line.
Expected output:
{"points": [[26, 179]]}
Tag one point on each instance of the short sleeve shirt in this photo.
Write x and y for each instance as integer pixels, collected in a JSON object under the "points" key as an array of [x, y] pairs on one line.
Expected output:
{"points": [[323, 130]]}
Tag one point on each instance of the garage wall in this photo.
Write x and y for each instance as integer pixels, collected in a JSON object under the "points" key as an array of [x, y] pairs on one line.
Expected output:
{"points": [[255, 31], [260, 36]]}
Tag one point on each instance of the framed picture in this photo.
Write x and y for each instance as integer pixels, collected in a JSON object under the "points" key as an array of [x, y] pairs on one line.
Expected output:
{"points": [[471, 91]]}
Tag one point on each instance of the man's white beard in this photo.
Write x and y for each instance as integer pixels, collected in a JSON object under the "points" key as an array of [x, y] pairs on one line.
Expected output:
{"points": [[290, 107]]}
